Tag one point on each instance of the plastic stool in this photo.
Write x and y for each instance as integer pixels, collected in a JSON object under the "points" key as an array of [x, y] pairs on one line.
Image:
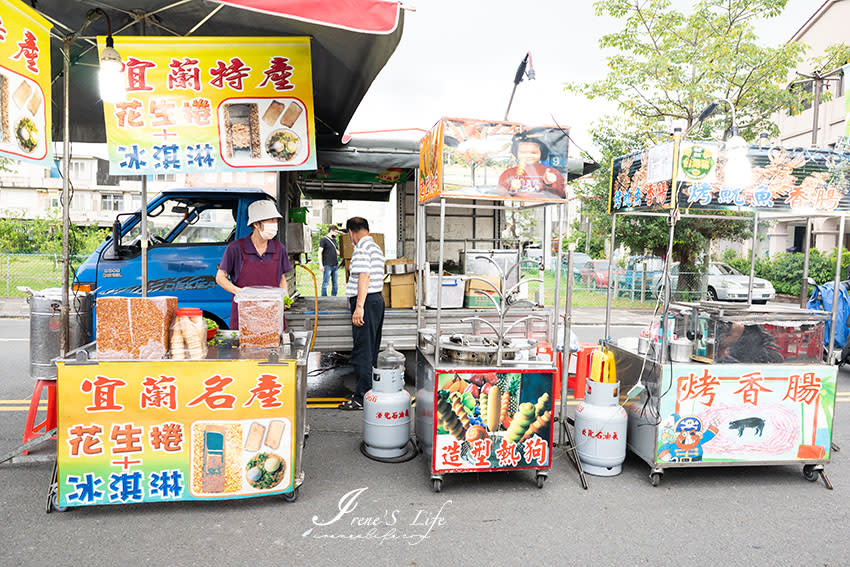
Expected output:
{"points": [[33, 429], [578, 382]]}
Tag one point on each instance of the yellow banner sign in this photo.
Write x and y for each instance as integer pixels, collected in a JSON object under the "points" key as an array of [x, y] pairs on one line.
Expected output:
{"points": [[196, 105], [175, 430], [24, 83]]}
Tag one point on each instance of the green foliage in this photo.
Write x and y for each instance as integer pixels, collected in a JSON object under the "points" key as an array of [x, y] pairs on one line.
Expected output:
{"points": [[728, 256], [671, 64], [44, 236], [785, 269], [520, 224]]}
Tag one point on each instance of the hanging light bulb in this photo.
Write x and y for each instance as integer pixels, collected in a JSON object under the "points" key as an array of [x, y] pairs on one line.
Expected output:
{"points": [[111, 74], [738, 172]]}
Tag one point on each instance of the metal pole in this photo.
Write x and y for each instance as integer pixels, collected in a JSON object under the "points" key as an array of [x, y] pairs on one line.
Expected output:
{"points": [[557, 301], [804, 285], [144, 236], [66, 196], [440, 278], [667, 291], [419, 258], [565, 354], [753, 259], [835, 283], [510, 101], [610, 288], [817, 83]]}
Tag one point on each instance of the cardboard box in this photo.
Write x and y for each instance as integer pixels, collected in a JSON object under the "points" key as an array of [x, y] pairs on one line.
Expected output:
{"points": [[348, 248], [473, 296], [385, 293], [402, 290]]}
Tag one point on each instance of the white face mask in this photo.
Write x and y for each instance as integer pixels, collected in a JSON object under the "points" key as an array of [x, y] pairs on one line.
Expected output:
{"points": [[268, 230]]}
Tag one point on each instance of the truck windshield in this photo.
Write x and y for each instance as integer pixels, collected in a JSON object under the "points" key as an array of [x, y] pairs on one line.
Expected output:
{"points": [[210, 225]]}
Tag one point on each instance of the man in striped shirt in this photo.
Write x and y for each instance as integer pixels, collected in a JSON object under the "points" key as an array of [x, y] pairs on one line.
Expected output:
{"points": [[365, 283]]}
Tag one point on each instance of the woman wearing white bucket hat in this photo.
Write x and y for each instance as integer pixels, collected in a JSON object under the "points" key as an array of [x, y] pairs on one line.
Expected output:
{"points": [[257, 259]]}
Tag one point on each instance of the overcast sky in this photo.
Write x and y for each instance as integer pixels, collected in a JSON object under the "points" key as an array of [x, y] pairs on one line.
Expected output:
{"points": [[458, 58]]}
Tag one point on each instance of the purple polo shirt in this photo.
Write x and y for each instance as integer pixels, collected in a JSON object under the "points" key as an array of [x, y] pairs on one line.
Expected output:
{"points": [[231, 262]]}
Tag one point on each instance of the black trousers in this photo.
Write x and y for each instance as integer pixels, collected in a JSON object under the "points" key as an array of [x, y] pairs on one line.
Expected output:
{"points": [[367, 341]]}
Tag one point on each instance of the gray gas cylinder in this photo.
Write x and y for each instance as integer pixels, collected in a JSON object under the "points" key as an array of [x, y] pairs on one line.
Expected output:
{"points": [[45, 307], [386, 408], [600, 429]]}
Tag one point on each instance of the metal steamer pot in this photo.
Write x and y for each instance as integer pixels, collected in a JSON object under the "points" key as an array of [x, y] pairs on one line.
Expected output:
{"points": [[473, 349], [400, 268], [680, 350]]}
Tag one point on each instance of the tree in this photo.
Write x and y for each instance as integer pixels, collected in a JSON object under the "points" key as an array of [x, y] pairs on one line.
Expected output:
{"points": [[44, 235], [669, 66]]}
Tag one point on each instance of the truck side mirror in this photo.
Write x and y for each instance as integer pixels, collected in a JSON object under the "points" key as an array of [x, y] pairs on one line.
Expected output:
{"points": [[116, 237]]}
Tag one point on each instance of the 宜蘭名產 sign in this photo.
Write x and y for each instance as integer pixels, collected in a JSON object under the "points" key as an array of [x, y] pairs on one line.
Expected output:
{"points": [[164, 431]]}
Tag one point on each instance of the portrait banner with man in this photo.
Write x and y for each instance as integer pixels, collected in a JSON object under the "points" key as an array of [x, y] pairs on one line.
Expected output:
{"points": [[475, 159]]}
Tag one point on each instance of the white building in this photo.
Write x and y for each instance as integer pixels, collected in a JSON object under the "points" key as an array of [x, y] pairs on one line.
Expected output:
{"points": [[826, 26], [30, 191]]}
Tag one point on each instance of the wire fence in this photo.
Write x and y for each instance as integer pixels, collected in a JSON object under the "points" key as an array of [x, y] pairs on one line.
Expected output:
{"points": [[40, 271], [640, 290], [36, 271]]}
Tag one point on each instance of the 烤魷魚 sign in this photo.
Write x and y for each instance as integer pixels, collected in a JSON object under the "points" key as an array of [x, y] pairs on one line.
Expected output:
{"points": [[164, 431], [24, 83], [197, 105]]}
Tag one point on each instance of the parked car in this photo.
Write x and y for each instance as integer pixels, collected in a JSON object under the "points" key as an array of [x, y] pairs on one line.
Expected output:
{"points": [[579, 260], [725, 283], [631, 279], [595, 273]]}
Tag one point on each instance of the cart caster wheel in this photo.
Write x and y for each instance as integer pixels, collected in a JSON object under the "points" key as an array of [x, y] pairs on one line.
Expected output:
{"points": [[54, 503], [655, 478], [810, 473], [541, 478], [290, 496], [437, 484]]}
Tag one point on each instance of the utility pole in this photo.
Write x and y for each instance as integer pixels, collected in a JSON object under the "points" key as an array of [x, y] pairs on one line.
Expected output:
{"points": [[818, 81]]}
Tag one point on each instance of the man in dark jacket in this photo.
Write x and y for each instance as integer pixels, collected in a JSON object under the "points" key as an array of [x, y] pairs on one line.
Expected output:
{"points": [[329, 258]]}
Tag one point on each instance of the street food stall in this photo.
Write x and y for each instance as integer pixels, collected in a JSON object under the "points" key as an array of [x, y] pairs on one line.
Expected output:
{"points": [[151, 418], [718, 383], [150, 412], [485, 383]]}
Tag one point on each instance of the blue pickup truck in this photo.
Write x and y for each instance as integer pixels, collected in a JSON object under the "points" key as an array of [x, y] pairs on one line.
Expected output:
{"points": [[630, 280], [188, 229]]}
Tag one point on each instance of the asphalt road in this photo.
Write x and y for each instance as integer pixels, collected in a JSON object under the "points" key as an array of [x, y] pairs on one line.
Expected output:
{"points": [[712, 516]]}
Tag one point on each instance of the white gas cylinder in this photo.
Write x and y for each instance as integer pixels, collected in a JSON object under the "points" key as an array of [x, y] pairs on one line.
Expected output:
{"points": [[386, 408], [600, 430]]}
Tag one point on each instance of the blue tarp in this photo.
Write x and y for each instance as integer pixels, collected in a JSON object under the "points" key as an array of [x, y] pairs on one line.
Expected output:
{"points": [[821, 300]]}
